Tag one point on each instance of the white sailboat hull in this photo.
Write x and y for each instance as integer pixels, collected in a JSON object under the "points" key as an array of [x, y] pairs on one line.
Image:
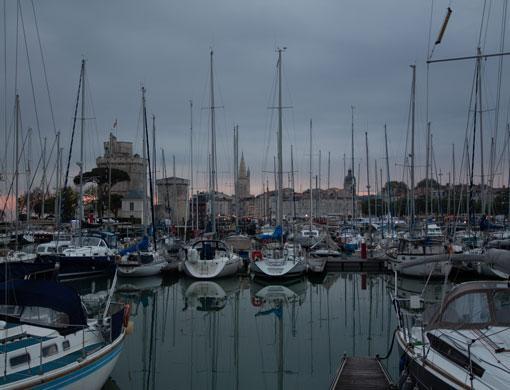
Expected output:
{"points": [[278, 269], [211, 269], [141, 270], [421, 266]]}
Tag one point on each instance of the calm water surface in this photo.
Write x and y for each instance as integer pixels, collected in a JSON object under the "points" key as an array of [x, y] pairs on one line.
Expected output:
{"points": [[240, 334]]}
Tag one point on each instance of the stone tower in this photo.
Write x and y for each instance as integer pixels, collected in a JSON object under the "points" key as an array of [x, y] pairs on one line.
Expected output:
{"points": [[243, 183], [349, 182]]}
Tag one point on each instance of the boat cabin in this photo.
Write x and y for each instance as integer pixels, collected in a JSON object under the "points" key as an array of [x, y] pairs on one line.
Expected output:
{"points": [[472, 305], [208, 250]]}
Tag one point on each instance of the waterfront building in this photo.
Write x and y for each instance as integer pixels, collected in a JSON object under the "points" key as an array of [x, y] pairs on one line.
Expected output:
{"points": [[173, 198]]}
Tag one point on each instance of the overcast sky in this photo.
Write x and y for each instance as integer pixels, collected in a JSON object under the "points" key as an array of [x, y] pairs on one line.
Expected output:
{"points": [[339, 54]]}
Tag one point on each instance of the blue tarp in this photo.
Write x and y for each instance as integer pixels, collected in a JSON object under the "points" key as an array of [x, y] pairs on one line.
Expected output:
{"points": [[276, 235], [142, 245], [44, 293]]}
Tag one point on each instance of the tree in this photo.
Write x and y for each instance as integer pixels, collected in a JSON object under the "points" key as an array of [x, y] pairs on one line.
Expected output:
{"points": [[69, 204], [101, 176], [398, 188]]}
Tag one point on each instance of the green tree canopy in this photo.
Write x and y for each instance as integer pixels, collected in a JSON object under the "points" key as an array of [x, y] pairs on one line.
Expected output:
{"points": [[101, 177]]}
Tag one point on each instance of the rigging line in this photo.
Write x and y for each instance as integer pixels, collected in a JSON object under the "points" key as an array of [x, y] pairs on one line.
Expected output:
{"points": [[29, 64], [44, 67]]}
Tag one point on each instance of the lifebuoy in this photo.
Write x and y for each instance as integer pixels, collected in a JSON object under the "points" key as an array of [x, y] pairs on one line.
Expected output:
{"points": [[127, 314], [257, 302]]}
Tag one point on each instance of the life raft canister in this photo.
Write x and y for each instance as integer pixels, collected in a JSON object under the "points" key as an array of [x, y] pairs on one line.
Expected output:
{"points": [[256, 255]]}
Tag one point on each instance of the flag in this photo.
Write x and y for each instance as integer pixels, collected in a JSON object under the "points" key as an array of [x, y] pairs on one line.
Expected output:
{"points": [[115, 124]]}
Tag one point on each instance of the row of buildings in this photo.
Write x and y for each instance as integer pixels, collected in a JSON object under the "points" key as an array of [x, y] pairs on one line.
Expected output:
{"points": [[173, 193]]}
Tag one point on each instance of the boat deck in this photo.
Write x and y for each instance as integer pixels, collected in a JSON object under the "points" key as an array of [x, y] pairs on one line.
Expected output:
{"points": [[361, 373]]}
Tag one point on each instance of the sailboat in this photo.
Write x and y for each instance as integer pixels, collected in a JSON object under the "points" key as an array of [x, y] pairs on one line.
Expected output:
{"points": [[211, 258], [419, 256], [464, 342], [147, 261], [287, 262], [47, 341]]}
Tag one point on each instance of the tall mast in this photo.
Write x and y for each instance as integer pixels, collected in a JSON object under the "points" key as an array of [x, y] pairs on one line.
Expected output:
{"points": [[427, 165], [29, 136], [311, 190], [191, 157], [110, 153], [236, 175], [43, 184], [376, 192], [82, 132], [353, 180], [368, 180], [388, 185], [453, 180], [413, 104], [154, 176], [212, 181], [57, 187], [292, 185], [144, 158], [16, 172], [279, 209], [151, 186], [329, 170], [482, 173], [319, 213]]}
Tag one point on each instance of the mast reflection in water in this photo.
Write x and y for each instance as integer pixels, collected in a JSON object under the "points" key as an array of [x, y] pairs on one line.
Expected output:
{"points": [[238, 334]]}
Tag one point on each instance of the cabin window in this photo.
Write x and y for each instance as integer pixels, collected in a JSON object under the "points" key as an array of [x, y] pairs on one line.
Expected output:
{"points": [[44, 316], [66, 345], [11, 310], [19, 360], [50, 350], [470, 308], [502, 306], [131, 206]]}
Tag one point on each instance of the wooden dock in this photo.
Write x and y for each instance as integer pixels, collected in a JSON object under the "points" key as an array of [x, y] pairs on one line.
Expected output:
{"points": [[361, 373]]}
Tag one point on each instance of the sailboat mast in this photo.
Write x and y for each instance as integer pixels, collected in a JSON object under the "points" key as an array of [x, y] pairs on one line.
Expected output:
{"points": [[82, 132], [191, 158], [144, 157], [212, 181], [279, 208], [44, 178], [292, 185], [151, 187], [16, 173], [154, 176], [482, 172], [353, 180], [388, 183], [29, 140], [236, 175], [368, 180], [413, 108], [311, 190], [57, 187]]}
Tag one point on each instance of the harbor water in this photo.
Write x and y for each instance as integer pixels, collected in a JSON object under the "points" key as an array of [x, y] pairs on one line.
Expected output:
{"points": [[238, 333]]}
